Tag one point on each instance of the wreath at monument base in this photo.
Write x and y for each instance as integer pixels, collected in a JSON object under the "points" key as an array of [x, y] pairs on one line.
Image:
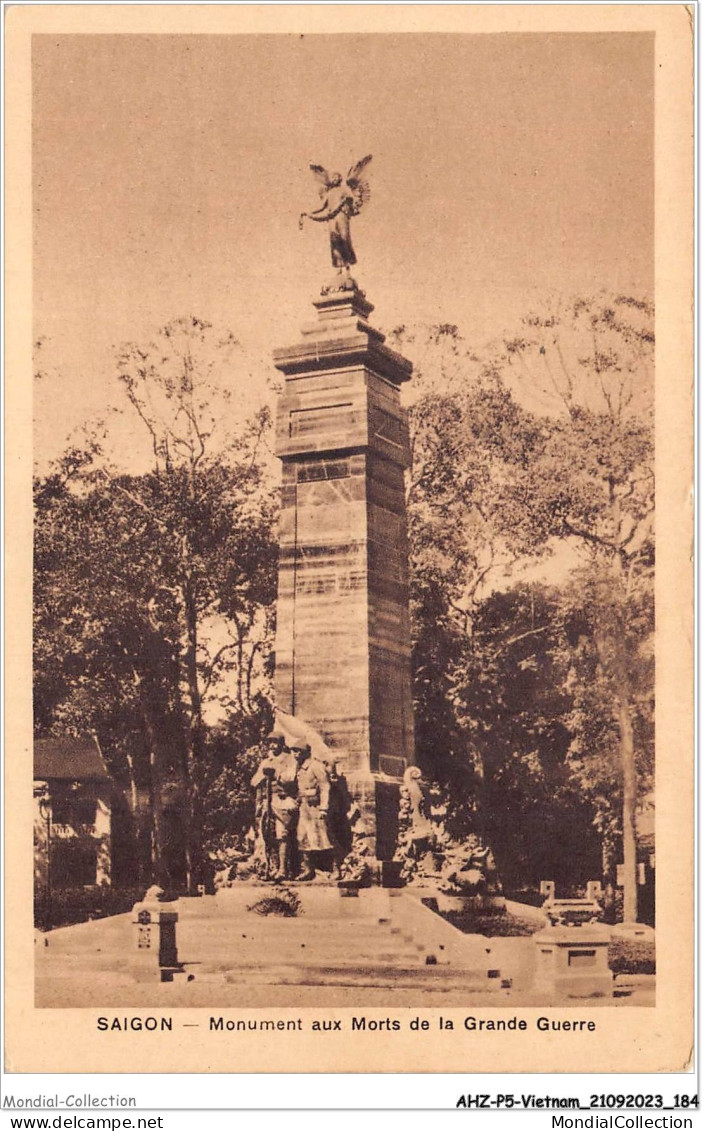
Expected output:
{"points": [[283, 903]]}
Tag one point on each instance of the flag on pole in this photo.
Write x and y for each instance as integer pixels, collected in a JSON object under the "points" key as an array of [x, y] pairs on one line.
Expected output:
{"points": [[297, 732]]}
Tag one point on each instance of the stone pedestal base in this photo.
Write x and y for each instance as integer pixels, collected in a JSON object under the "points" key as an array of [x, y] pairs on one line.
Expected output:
{"points": [[155, 950], [571, 962]]}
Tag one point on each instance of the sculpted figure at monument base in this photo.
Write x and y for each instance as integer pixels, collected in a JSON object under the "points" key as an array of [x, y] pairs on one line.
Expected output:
{"points": [[275, 782], [313, 787], [308, 824], [421, 834], [470, 871], [460, 867], [302, 807]]}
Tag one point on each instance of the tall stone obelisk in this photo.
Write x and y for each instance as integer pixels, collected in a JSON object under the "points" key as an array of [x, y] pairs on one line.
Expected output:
{"points": [[343, 641]]}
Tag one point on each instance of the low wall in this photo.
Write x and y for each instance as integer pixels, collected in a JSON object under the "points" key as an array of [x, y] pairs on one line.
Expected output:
{"points": [[526, 911]]}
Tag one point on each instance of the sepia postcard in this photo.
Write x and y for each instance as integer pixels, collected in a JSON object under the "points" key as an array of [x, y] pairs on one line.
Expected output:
{"points": [[349, 546]]}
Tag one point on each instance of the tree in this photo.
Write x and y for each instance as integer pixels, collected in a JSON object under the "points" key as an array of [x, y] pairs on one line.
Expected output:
{"points": [[513, 694], [592, 484], [178, 561], [471, 448], [99, 664], [541, 447], [469, 531]]}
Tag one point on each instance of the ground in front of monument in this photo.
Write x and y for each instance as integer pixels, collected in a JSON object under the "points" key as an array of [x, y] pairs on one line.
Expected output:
{"points": [[378, 947]]}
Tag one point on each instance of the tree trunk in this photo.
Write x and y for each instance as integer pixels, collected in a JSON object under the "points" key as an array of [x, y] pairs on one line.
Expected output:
{"points": [[181, 711], [627, 760], [160, 873], [140, 861], [626, 732], [628, 767], [613, 657], [194, 747]]}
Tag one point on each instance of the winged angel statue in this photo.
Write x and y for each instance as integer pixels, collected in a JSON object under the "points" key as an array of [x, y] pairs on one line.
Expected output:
{"points": [[341, 199]]}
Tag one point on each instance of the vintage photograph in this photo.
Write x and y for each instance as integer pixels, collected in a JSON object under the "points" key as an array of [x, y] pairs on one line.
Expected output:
{"points": [[344, 462]]}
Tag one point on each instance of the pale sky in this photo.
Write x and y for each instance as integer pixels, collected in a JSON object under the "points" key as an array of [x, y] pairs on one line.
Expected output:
{"points": [[169, 172]]}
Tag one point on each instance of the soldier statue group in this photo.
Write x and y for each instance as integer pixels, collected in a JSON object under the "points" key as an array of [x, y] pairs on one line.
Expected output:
{"points": [[303, 811]]}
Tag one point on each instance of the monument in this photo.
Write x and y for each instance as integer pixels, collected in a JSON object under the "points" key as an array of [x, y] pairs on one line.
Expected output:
{"points": [[343, 638]]}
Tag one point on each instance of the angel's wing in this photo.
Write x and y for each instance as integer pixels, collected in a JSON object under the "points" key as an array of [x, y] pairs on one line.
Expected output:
{"points": [[322, 178], [359, 186], [353, 175]]}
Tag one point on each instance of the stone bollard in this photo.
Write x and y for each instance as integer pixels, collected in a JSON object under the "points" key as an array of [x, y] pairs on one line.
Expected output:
{"points": [[154, 934], [571, 962]]}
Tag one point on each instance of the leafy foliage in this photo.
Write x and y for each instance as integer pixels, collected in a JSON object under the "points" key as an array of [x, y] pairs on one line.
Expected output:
{"points": [[535, 702], [154, 591]]}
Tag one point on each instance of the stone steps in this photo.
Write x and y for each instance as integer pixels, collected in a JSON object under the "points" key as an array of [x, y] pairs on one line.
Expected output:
{"points": [[295, 942], [379, 975], [377, 941]]}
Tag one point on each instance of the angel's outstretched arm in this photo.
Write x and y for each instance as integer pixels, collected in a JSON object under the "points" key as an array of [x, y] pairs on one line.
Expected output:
{"points": [[324, 213]]}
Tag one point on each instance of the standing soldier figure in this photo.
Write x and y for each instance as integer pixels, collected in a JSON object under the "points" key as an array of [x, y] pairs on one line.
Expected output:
{"points": [[276, 791], [313, 788], [341, 810]]}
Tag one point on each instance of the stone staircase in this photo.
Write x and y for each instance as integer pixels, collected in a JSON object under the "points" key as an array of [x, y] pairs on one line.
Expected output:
{"points": [[382, 947], [378, 939]]}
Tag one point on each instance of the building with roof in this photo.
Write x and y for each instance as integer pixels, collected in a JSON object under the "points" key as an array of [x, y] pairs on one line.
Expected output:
{"points": [[73, 799]]}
